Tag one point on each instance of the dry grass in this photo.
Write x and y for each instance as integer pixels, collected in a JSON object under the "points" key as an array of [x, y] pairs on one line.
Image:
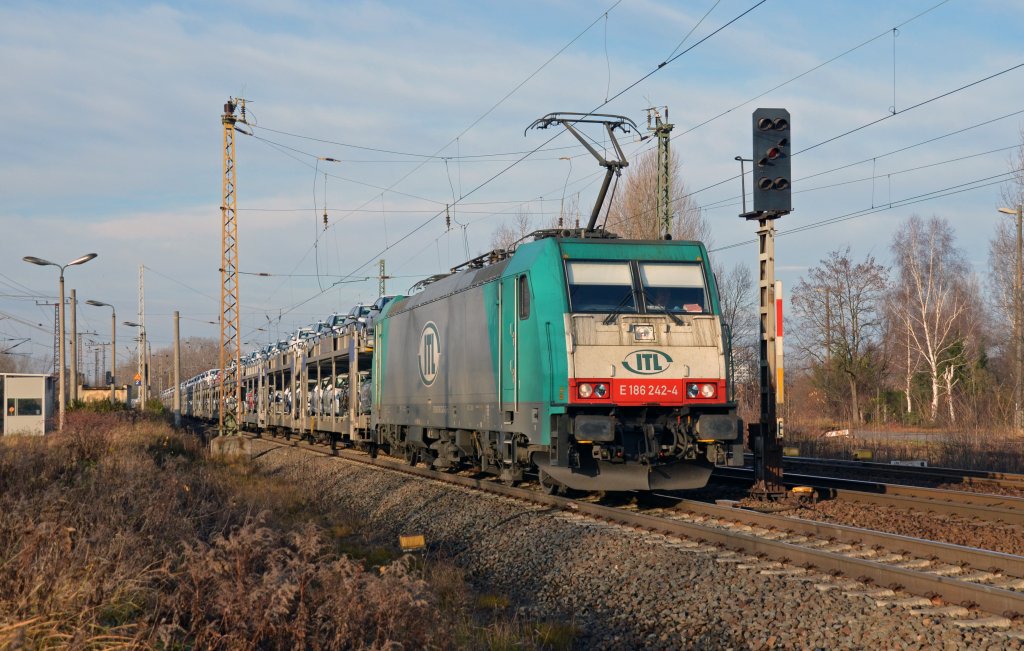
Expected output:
{"points": [[120, 533], [115, 534], [972, 450]]}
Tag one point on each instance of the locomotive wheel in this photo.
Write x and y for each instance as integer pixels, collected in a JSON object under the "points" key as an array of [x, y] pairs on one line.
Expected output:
{"points": [[549, 485]]}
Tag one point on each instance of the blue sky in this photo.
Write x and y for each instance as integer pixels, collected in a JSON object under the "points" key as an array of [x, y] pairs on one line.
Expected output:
{"points": [[111, 135]]}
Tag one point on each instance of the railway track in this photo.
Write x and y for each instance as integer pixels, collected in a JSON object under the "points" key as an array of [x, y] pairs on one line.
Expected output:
{"points": [[930, 475], [962, 577], [993, 508]]}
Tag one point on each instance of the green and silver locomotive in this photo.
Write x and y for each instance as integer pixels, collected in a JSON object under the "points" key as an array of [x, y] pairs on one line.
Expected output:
{"points": [[602, 363]]}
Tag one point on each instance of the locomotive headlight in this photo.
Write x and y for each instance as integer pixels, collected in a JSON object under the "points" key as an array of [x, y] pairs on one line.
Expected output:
{"points": [[585, 390], [702, 390], [600, 390]]}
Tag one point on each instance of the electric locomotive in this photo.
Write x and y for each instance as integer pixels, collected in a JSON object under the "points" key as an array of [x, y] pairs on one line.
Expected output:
{"points": [[601, 362]]}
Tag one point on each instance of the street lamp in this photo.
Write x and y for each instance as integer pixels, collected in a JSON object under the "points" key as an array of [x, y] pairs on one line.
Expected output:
{"points": [[145, 366], [113, 346], [61, 395], [1018, 317]]}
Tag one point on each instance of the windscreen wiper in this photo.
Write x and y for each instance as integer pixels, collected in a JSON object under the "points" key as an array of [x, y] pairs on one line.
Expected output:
{"points": [[664, 310], [617, 310]]}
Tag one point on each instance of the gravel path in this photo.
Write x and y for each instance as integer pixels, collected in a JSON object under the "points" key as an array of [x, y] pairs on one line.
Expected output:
{"points": [[625, 589]]}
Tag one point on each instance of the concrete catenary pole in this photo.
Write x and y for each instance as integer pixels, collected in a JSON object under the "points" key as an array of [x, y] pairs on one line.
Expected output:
{"points": [[1019, 319], [113, 355], [62, 395], [177, 373], [73, 381]]}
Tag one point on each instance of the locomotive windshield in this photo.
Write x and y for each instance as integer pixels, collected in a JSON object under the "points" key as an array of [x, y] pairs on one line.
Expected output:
{"points": [[600, 287], [614, 287], [673, 287]]}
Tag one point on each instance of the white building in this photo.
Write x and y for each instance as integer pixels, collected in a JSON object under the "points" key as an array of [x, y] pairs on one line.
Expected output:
{"points": [[28, 403]]}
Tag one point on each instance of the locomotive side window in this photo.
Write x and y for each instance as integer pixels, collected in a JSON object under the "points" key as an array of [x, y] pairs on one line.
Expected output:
{"points": [[673, 287], [600, 287], [524, 298]]}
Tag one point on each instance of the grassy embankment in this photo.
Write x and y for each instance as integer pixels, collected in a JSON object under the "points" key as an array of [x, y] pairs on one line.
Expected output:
{"points": [[119, 534]]}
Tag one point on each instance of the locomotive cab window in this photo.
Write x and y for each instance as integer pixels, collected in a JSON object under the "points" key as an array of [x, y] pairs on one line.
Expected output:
{"points": [[600, 287], [524, 297], [677, 288]]}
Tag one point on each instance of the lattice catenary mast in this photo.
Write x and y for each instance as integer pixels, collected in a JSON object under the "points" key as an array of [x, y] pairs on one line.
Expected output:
{"points": [[662, 131], [230, 348]]}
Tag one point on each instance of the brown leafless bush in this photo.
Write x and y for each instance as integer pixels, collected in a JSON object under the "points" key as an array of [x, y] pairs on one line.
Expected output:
{"points": [[259, 588], [121, 535]]}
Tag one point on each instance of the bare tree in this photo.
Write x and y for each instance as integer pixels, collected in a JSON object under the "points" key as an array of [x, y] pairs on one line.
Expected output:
{"points": [[840, 308], [1002, 272], [634, 210], [507, 236], [1002, 284], [738, 305], [11, 362], [1013, 192], [931, 296]]}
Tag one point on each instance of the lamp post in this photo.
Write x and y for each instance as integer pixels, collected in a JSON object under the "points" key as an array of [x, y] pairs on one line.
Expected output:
{"points": [[113, 346], [144, 394], [1018, 349], [61, 395]]}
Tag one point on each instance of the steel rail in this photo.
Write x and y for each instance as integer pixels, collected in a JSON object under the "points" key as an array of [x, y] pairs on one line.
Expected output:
{"points": [[988, 598], [982, 559], [994, 508], [964, 476]]}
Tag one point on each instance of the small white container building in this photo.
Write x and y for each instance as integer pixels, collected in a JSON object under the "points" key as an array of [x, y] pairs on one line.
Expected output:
{"points": [[28, 403]]}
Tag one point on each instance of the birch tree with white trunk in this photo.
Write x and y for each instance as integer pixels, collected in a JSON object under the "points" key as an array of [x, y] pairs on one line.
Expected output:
{"points": [[930, 298]]}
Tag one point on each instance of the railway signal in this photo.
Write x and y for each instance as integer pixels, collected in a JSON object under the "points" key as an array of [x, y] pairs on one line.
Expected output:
{"points": [[772, 179], [772, 199]]}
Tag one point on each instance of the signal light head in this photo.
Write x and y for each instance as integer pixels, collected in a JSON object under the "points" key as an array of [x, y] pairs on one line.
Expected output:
{"points": [[780, 124], [780, 184], [765, 123], [774, 153], [765, 183]]}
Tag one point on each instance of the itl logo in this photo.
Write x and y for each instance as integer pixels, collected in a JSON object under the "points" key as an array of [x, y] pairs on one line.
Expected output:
{"points": [[429, 353], [647, 362]]}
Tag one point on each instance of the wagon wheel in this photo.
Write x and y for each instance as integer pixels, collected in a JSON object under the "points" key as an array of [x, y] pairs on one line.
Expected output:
{"points": [[411, 455]]}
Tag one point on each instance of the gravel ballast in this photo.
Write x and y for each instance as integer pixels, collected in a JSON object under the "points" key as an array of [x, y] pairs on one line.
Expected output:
{"points": [[626, 589]]}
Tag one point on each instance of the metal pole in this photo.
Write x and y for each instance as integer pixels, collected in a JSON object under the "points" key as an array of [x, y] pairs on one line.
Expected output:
{"points": [[113, 355], [144, 392], [74, 352], [177, 373], [61, 395], [1019, 320], [743, 181]]}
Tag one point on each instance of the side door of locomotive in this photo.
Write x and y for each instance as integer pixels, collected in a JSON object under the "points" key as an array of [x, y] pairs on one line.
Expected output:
{"points": [[508, 357]]}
